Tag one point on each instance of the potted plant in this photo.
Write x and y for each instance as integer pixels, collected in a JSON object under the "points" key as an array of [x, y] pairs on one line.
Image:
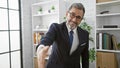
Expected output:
{"points": [[92, 55], [40, 10], [88, 28], [53, 8]]}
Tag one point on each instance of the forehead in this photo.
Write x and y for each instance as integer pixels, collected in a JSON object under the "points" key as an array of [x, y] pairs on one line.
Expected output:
{"points": [[78, 12]]}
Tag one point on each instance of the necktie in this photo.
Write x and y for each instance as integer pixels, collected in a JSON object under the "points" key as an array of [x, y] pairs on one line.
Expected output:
{"points": [[71, 37]]}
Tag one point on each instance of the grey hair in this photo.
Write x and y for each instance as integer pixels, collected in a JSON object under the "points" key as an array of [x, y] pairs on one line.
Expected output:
{"points": [[78, 6]]}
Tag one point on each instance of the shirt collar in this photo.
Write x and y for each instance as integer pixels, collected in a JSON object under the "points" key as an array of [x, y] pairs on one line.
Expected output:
{"points": [[74, 30]]}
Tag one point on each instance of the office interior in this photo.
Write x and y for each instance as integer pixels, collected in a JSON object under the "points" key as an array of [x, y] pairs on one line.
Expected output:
{"points": [[20, 21]]}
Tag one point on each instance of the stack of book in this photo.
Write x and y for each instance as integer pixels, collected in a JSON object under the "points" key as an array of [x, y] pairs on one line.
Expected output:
{"points": [[37, 37], [106, 41]]}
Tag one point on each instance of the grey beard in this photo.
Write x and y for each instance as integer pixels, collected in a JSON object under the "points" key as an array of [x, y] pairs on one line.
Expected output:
{"points": [[71, 27]]}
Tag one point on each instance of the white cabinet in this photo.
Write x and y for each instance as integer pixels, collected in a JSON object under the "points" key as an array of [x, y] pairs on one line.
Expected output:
{"points": [[45, 13]]}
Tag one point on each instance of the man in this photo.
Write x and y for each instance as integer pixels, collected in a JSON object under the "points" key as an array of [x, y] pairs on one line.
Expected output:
{"points": [[69, 42]]}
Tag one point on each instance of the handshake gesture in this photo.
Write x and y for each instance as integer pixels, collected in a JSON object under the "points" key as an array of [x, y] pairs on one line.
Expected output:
{"points": [[42, 53]]}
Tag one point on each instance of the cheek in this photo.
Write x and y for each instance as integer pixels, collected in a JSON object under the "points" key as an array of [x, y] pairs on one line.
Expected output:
{"points": [[68, 18]]}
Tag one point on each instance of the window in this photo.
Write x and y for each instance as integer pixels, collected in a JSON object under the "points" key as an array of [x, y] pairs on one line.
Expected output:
{"points": [[10, 34]]}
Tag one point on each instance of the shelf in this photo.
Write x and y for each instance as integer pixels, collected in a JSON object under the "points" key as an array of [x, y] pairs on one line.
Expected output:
{"points": [[110, 14], [40, 30], [117, 2], [44, 2], [44, 14], [114, 51], [108, 29]]}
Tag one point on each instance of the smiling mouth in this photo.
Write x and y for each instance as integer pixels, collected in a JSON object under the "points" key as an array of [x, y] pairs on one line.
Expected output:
{"points": [[73, 23]]}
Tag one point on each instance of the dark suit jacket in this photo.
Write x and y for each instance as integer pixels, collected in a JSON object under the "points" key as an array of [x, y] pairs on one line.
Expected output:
{"points": [[58, 37]]}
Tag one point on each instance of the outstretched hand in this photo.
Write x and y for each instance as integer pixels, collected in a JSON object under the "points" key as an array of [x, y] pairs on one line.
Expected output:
{"points": [[42, 52]]}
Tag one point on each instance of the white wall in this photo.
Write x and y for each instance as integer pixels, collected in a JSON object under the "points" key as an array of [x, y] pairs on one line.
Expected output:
{"points": [[26, 33]]}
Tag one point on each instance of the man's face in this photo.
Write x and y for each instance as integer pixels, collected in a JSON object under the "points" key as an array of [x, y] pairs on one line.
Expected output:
{"points": [[74, 17]]}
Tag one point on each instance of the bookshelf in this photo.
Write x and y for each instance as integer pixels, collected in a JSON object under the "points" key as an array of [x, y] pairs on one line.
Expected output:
{"points": [[41, 20], [44, 13], [110, 18], [107, 13]]}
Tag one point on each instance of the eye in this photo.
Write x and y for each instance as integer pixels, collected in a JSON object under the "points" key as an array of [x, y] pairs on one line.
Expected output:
{"points": [[78, 17], [73, 14]]}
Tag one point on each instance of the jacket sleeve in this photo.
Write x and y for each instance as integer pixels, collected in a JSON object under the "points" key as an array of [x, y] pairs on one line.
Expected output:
{"points": [[50, 36]]}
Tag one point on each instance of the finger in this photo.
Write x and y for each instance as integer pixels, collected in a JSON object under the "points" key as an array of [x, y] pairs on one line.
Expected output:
{"points": [[43, 52], [42, 55], [39, 49], [45, 49]]}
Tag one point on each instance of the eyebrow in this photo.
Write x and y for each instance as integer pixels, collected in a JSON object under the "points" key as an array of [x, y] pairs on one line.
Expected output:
{"points": [[77, 15]]}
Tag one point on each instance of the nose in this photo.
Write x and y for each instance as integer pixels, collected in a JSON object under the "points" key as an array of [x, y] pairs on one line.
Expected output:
{"points": [[74, 19]]}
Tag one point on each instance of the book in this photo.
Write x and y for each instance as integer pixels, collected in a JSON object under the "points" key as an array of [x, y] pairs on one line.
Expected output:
{"points": [[114, 41], [100, 40], [106, 41], [110, 26], [97, 40], [37, 37]]}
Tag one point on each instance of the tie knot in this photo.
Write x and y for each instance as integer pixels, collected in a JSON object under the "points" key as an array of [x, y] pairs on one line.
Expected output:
{"points": [[71, 32]]}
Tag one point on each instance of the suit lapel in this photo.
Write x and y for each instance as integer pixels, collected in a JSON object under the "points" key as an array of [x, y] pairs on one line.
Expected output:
{"points": [[66, 36], [80, 37]]}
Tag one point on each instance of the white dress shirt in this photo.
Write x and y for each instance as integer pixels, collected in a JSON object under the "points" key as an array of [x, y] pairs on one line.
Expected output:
{"points": [[75, 39]]}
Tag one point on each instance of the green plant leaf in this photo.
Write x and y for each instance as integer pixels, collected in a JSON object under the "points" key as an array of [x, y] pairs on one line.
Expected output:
{"points": [[118, 45], [53, 7], [88, 28], [40, 9], [91, 39], [92, 55]]}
